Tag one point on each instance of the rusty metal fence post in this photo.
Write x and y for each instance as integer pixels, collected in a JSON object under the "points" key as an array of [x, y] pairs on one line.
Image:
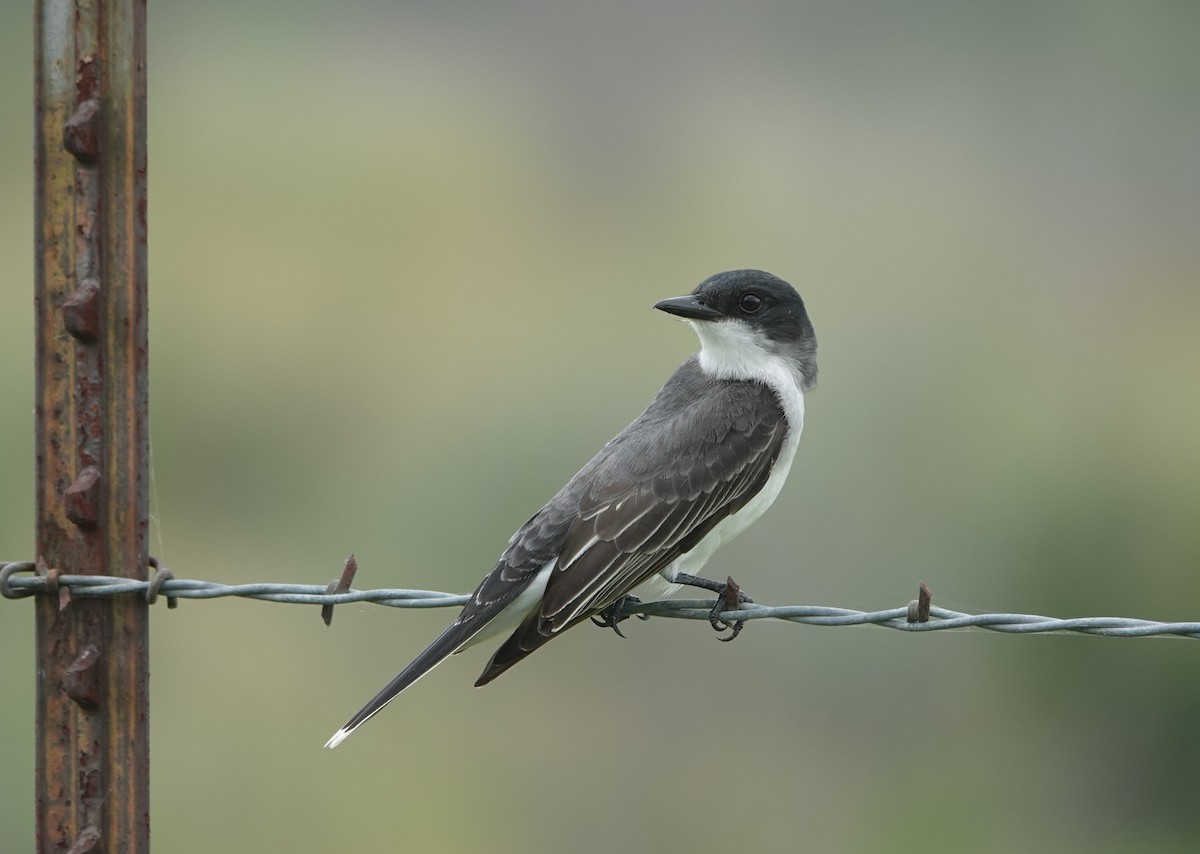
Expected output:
{"points": [[91, 432]]}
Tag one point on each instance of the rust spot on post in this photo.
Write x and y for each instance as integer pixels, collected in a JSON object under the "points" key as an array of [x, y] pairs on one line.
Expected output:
{"points": [[83, 498], [81, 313], [82, 679], [87, 841], [87, 77], [81, 133]]}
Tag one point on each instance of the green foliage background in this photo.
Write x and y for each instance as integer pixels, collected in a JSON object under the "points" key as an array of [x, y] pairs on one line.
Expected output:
{"points": [[402, 264]]}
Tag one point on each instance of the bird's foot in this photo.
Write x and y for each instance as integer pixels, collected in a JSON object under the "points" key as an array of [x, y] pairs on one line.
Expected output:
{"points": [[729, 598], [612, 616]]}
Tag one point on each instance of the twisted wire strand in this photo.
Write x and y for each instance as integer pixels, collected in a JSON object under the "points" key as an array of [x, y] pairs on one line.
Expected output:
{"points": [[13, 586]]}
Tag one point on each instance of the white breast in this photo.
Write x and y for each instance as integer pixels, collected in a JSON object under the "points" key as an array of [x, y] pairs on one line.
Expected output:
{"points": [[732, 350]]}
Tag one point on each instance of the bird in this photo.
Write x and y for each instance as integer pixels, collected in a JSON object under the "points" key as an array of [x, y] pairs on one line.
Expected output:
{"points": [[705, 459]]}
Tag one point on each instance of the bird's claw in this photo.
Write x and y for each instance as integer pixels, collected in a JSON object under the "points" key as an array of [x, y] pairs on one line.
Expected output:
{"points": [[729, 598], [612, 616]]}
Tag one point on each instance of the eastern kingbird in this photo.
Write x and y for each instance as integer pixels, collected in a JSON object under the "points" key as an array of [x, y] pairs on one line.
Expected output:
{"points": [[706, 458]]}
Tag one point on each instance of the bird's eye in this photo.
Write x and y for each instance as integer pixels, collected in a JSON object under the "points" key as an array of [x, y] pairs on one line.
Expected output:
{"points": [[750, 303]]}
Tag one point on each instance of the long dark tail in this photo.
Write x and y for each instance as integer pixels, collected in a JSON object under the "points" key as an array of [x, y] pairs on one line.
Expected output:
{"points": [[445, 643], [530, 636]]}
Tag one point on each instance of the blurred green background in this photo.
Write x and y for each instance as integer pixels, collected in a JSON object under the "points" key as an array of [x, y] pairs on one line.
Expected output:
{"points": [[402, 262]]}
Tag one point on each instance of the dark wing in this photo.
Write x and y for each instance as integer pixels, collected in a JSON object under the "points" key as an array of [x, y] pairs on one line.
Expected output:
{"points": [[634, 516], [624, 535]]}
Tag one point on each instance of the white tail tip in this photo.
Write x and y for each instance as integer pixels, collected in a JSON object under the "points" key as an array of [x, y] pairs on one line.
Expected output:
{"points": [[338, 738]]}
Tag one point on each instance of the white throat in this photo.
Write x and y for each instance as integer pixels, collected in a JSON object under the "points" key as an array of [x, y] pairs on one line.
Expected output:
{"points": [[730, 349]]}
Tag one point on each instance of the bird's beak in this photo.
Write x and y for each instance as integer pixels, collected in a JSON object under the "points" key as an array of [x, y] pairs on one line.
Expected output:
{"points": [[688, 307]]}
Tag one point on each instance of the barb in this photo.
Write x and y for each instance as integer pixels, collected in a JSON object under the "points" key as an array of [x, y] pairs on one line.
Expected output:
{"points": [[13, 585]]}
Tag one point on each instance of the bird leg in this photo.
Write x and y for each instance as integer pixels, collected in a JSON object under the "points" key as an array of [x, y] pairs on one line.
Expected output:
{"points": [[611, 617], [729, 598]]}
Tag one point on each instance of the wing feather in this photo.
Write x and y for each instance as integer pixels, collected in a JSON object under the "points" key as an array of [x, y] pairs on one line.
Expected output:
{"points": [[626, 516], [626, 533]]}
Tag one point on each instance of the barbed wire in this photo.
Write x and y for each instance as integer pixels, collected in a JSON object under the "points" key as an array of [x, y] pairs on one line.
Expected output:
{"points": [[42, 581]]}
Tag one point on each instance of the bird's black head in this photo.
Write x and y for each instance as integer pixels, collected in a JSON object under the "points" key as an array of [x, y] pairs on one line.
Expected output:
{"points": [[755, 302]]}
